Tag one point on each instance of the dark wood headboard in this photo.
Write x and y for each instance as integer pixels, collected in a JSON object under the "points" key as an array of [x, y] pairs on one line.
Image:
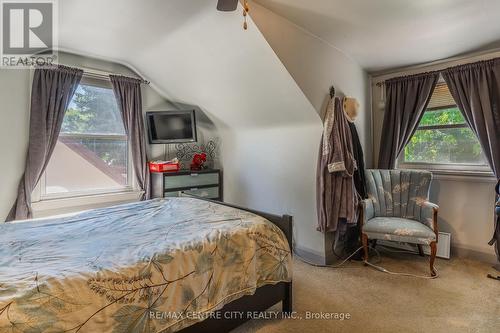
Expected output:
{"points": [[284, 222]]}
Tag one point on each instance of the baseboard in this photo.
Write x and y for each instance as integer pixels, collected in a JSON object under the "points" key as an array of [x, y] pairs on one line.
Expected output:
{"points": [[310, 255], [461, 252], [456, 251]]}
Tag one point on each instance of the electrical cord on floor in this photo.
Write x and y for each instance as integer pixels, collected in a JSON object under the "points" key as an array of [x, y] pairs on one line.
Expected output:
{"points": [[335, 252], [321, 265], [333, 266], [382, 269], [379, 268]]}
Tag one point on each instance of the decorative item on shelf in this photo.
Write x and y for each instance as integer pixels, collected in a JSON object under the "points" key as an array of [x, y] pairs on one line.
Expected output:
{"points": [[164, 166], [198, 161], [186, 152]]}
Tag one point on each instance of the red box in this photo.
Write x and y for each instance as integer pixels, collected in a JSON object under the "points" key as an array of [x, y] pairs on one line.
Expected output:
{"points": [[164, 167]]}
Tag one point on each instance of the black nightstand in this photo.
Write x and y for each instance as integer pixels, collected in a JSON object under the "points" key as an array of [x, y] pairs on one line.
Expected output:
{"points": [[202, 183]]}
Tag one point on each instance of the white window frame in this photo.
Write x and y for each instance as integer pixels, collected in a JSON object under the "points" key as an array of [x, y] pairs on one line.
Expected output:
{"points": [[40, 195], [445, 168]]}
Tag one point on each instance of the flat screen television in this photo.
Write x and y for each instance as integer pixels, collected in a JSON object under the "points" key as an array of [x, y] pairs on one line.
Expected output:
{"points": [[171, 126]]}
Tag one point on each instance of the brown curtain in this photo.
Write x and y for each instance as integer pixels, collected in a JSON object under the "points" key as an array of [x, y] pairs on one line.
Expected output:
{"points": [[407, 99], [476, 90], [51, 94], [128, 95], [495, 241]]}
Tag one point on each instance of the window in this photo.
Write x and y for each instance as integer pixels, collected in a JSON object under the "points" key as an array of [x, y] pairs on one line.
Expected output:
{"points": [[443, 140], [92, 154]]}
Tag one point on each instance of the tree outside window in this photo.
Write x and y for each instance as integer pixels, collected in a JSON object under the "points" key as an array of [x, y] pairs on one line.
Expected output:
{"points": [[443, 139]]}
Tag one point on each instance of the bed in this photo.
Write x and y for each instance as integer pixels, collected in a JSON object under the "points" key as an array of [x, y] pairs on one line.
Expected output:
{"points": [[163, 265]]}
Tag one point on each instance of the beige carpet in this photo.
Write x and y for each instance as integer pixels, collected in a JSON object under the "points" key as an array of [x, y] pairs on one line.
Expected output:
{"points": [[462, 299]]}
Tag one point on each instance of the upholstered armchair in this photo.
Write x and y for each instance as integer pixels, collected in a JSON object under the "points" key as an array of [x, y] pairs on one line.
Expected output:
{"points": [[397, 209]]}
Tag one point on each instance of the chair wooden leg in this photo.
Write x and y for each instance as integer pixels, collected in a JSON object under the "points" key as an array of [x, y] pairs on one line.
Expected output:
{"points": [[433, 257], [364, 240], [420, 250]]}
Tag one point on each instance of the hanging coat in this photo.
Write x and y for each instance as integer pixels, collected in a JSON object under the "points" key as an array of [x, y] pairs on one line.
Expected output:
{"points": [[352, 239], [336, 196], [359, 174]]}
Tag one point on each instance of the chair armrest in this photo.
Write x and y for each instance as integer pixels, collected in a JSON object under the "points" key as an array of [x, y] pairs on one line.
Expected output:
{"points": [[428, 215], [367, 210]]}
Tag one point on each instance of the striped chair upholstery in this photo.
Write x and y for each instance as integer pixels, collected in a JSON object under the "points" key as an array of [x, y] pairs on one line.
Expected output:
{"points": [[397, 208]]}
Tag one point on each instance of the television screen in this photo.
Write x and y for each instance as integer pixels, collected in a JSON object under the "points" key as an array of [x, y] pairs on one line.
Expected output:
{"points": [[171, 126]]}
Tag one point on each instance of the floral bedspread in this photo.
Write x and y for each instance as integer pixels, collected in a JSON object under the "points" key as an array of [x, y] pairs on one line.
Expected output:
{"points": [[153, 266]]}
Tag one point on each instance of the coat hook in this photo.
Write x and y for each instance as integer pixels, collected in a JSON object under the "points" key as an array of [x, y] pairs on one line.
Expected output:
{"points": [[332, 91]]}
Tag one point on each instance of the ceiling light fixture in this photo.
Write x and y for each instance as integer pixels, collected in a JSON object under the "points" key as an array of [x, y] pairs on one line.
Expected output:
{"points": [[231, 5], [246, 9]]}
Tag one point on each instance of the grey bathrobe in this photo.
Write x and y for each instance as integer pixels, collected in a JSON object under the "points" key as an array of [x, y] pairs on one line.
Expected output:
{"points": [[335, 192]]}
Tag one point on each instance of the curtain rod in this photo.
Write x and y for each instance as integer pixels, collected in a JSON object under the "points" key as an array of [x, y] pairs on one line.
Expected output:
{"points": [[464, 57], [467, 60], [105, 75], [380, 83]]}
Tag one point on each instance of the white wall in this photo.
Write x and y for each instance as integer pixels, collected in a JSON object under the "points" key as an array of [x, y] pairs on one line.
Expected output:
{"points": [[273, 170], [466, 211], [465, 202], [316, 65], [14, 124]]}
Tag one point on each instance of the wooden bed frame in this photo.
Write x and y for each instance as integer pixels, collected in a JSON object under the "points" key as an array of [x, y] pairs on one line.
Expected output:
{"points": [[264, 297]]}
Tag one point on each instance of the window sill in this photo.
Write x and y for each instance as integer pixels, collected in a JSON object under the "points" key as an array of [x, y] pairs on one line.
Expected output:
{"points": [[455, 175], [49, 207], [470, 176]]}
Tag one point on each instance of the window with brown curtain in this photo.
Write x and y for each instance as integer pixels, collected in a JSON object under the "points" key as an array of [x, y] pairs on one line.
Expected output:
{"points": [[92, 153], [443, 140]]}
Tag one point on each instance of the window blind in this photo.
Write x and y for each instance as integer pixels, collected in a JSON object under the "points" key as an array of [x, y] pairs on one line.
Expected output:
{"points": [[441, 97]]}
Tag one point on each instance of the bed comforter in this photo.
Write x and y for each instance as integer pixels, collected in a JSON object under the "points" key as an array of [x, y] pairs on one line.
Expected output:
{"points": [[154, 266]]}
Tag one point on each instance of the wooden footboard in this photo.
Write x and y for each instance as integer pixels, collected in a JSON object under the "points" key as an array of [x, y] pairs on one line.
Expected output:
{"points": [[264, 297]]}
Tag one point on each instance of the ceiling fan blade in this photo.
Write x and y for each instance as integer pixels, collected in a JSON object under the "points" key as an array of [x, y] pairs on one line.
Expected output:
{"points": [[227, 5]]}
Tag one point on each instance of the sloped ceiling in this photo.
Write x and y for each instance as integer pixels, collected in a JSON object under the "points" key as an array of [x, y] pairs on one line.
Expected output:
{"points": [[382, 34], [191, 52]]}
